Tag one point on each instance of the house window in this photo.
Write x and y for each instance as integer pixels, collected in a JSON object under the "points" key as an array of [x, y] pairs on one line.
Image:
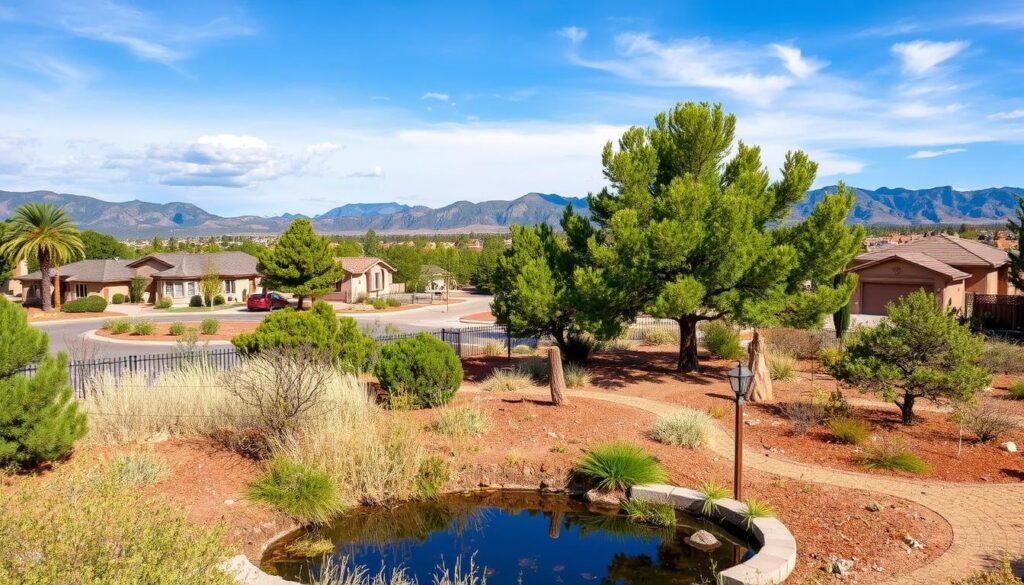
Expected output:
{"points": [[179, 289], [377, 281], [191, 289], [81, 291], [168, 289], [229, 286]]}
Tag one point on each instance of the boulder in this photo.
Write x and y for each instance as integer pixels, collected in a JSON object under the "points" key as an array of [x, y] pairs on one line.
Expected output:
{"points": [[874, 507], [703, 540], [1009, 447], [603, 498]]}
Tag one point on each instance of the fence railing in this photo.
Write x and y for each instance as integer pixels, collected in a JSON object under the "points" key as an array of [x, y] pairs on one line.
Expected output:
{"points": [[996, 312]]}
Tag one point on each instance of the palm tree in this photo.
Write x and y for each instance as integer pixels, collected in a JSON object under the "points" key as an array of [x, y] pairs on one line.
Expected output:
{"points": [[46, 232]]}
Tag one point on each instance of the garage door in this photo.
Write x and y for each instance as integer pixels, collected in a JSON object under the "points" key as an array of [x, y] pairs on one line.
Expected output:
{"points": [[877, 295]]}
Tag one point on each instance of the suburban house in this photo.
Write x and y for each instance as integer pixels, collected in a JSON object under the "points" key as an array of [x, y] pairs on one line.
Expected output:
{"points": [[436, 279], [949, 266], [13, 286], [172, 276], [365, 277]]}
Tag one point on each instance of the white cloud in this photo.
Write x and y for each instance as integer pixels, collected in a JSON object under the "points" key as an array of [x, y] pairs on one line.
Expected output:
{"points": [[796, 63], [375, 172], [322, 148], [920, 57], [433, 95], [935, 153], [924, 110], [1011, 115], [575, 34]]}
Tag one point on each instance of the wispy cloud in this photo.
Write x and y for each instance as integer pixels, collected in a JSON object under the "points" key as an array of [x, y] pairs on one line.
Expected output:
{"points": [[920, 57], [935, 153], [900, 27], [433, 95], [796, 63], [575, 34], [374, 173], [924, 110], [1011, 115]]}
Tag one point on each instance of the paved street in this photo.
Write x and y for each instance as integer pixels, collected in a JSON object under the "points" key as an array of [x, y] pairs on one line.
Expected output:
{"points": [[64, 335]]}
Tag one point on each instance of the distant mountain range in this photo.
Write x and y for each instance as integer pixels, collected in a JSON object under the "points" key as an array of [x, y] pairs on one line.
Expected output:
{"points": [[141, 219]]}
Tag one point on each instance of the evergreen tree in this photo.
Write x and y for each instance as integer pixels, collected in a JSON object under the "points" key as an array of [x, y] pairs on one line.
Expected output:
{"points": [[685, 234], [39, 418], [484, 275], [408, 264], [6, 266], [1016, 262], [102, 246], [371, 244], [301, 263]]}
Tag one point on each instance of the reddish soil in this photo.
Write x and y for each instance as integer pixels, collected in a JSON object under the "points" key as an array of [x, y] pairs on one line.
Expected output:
{"points": [[228, 329], [482, 316], [1000, 398], [399, 308], [36, 315]]}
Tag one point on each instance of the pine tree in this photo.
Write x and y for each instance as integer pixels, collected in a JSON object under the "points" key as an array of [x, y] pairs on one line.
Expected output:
{"points": [[371, 244], [301, 263], [686, 234], [39, 418], [1016, 262]]}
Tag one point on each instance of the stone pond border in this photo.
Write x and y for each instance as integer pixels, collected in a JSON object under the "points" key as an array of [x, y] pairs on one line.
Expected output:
{"points": [[774, 560]]}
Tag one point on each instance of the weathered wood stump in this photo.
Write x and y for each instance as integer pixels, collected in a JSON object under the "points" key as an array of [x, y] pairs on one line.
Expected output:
{"points": [[557, 377]]}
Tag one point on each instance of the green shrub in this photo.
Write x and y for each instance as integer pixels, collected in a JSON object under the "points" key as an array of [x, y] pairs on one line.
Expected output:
{"points": [[892, 455], [644, 512], [422, 369], [661, 336], [163, 303], [837, 406], [177, 328], [754, 508], [507, 380], [317, 330], [117, 326], [781, 366], [829, 357], [458, 422], [853, 431], [620, 466], [137, 288], [307, 494], [1016, 390], [77, 526], [433, 474], [988, 423], [578, 347], [218, 300], [117, 298], [209, 326], [196, 301], [143, 327], [1002, 357], [1001, 575], [576, 375], [90, 304], [722, 340], [713, 492], [685, 427]]}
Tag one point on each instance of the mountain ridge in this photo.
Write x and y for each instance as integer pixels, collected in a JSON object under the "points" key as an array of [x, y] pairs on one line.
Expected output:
{"points": [[136, 218]]}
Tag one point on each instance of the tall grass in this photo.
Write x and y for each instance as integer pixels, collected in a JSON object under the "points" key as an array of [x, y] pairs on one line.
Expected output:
{"points": [[343, 572], [460, 422], [514, 379], [644, 512], [891, 454], [1016, 390], [685, 427], [304, 492], [619, 466], [781, 365], [576, 376], [853, 431]]}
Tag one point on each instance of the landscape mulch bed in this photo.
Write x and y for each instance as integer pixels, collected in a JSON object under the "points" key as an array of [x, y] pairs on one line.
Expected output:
{"points": [[36, 315], [161, 332]]}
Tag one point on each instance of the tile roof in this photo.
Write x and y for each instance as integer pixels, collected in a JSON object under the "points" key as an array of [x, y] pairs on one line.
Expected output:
{"points": [[360, 264], [90, 271], [922, 260], [196, 265], [950, 250]]}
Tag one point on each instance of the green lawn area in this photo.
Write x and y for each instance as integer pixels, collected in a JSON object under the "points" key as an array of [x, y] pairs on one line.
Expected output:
{"points": [[202, 309]]}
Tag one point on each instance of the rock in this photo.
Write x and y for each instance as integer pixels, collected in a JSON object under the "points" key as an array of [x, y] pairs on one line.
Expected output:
{"points": [[552, 435], [910, 542], [602, 498], [703, 540], [229, 502], [753, 422], [1009, 447], [874, 507], [838, 566]]}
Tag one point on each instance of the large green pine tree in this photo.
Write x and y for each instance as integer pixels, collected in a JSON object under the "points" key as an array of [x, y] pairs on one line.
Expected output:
{"points": [[301, 263], [686, 234], [39, 418], [1016, 262]]}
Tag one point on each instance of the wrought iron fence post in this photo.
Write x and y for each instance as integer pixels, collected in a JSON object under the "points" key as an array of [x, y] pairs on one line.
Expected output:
{"points": [[508, 341]]}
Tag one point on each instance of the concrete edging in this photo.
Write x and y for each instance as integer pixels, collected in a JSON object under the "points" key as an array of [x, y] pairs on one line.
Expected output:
{"points": [[93, 336], [774, 560]]}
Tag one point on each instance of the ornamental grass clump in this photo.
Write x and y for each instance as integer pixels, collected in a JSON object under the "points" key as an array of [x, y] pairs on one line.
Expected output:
{"points": [[644, 512], [576, 375], [713, 492], [685, 427], [853, 431], [781, 366], [513, 379], [494, 348], [460, 422], [1016, 390], [620, 466], [891, 454], [138, 469], [118, 326], [209, 326], [754, 508], [143, 327], [307, 494]]}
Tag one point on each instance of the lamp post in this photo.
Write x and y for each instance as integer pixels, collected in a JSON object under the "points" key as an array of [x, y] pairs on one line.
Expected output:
{"points": [[739, 379]]}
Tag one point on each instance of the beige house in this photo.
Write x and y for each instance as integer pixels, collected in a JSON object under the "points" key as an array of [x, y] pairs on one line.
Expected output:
{"points": [[13, 286], [173, 276], [948, 266], [365, 277]]}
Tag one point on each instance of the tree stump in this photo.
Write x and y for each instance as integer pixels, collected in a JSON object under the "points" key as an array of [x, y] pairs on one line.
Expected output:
{"points": [[556, 376], [761, 386]]}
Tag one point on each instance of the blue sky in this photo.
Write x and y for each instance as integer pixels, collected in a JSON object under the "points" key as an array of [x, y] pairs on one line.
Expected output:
{"points": [[266, 107]]}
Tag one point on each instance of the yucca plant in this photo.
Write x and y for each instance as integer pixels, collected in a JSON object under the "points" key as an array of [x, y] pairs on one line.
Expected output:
{"points": [[712, 492], [754, 508], [619, 466]]}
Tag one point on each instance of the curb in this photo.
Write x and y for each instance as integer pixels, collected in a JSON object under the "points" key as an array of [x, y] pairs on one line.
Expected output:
{"points": [[92, 336]]}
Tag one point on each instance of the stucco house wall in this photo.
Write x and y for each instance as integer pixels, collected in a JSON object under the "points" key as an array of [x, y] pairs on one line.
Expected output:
{"points": [[898, 271]]}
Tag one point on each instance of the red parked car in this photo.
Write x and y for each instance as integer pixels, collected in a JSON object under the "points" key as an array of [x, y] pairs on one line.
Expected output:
{"points": [[266, 302]]}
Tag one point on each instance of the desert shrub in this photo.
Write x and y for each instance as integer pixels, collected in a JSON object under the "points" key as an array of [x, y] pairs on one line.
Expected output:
{"points": [[1002, 357], [494, 348], [218, 300], [891, 454], [177, 328], [196, 301], [513, 379], [1001, 575], [578, 347], [829, 357], [143, 327], [988, 423], [661, 336], [90, 304], [458, 422], [522, 349], [849, 430], [620, 466], [138, 469], [644, 512], [82, 527], [618, 346], [576, 375], [117, 298], [433, 474], [209, 326], [837, 406], [318, 330], [781, 366], [685, 427], [1016, 390], [117, 326], [722, 340], [377, 304], [307, 494], [802, 344], [164, 303], [716, 411], [423, 369], [803, 415], [754, 508]]}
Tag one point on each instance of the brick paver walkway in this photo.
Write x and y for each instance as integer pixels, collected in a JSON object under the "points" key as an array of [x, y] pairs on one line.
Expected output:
{"points": [[987, 519]]}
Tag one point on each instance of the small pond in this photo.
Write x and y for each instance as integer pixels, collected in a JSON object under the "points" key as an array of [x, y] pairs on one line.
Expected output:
{"points": [[520, 537]]}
